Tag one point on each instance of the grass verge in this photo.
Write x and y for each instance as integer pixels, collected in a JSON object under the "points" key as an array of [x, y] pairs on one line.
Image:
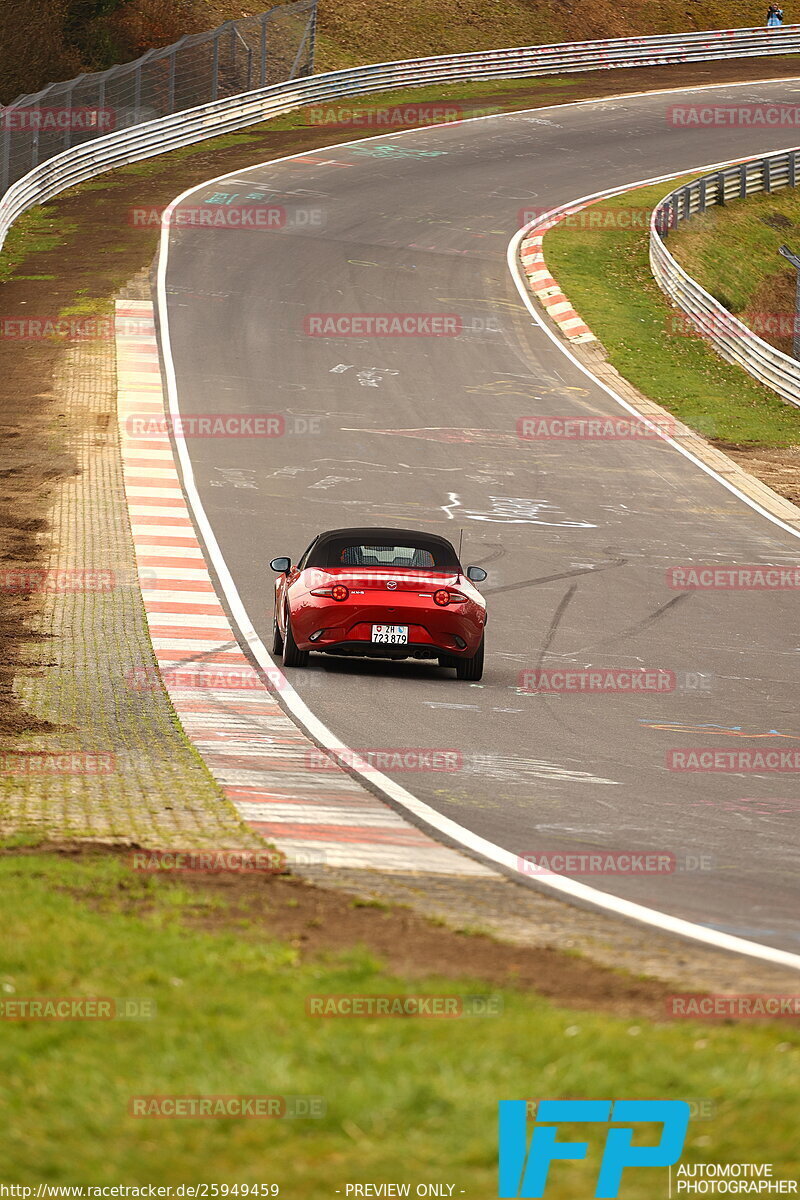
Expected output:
{"points": [[733, 253], [230, 1019], [600, 259]]}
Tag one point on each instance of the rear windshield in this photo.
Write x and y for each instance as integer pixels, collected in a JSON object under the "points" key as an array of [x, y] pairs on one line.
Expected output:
{"points": [[421, 556]]}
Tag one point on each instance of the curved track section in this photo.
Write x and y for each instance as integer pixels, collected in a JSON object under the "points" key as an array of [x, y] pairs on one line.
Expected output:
{"points": [[577, 535]]}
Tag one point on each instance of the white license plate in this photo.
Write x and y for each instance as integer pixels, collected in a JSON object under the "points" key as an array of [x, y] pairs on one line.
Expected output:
{"points": [[392, 635]]}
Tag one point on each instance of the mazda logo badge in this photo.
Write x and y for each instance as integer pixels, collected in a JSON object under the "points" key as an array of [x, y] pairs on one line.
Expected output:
{"points": [[391, 584]]}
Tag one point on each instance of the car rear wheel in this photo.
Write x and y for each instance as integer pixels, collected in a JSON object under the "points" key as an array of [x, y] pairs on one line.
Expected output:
{"points": [[292, 656], [471, 668]]}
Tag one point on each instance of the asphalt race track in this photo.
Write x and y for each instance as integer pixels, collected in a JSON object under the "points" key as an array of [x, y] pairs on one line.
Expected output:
{"points": [[576, 535]]}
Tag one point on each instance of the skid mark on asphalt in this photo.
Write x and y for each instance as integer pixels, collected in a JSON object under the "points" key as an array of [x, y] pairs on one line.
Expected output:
{"points": [[639, 627], [524, 583], [498, 551], [555, 621]]}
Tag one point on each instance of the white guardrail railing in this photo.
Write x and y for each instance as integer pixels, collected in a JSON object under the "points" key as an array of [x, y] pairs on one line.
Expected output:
{"points": [[729, 336], [221, 116]]}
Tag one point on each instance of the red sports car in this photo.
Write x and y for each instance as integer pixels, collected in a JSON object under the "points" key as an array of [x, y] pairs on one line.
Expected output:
{"points": [[383, 593]]}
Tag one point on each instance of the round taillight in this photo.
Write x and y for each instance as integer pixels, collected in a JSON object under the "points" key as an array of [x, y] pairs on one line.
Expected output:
{"points": [[340, 592], [441, 597]]}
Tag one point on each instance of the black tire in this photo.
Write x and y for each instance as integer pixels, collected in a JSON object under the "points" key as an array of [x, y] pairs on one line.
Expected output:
{"points": [[292, 656], [447, 660], [277, 637], [471, 668]]}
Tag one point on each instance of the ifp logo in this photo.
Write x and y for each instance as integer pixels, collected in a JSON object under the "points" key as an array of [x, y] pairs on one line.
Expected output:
{"points": [[524, 1169]]}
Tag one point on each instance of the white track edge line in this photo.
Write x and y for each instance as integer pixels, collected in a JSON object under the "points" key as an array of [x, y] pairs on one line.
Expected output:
{"points": [[320, 732], [512, 258]]}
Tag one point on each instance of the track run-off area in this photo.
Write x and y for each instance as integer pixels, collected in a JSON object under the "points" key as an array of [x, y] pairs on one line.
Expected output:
{"points": [[579, 535]]}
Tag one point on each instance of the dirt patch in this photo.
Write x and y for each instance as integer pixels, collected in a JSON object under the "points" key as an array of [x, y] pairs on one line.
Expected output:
{"points": [[320, 922], [91, 250], [775, 294], [778, 467]]}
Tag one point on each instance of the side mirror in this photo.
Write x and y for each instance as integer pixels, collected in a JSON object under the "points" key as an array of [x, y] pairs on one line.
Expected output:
{"points": [[281, 565], [476, 574]]}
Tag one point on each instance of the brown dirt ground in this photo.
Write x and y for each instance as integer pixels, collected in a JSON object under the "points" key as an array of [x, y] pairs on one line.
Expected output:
{"points": [[97, 250], [779, 467], [319, 922]]}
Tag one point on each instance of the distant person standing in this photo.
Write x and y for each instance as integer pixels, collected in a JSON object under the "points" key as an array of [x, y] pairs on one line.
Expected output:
{"points": [[774, 16]]}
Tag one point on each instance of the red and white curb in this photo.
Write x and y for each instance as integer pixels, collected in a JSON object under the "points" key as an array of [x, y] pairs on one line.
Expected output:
{"points": [[274, 775], [544, 286]]}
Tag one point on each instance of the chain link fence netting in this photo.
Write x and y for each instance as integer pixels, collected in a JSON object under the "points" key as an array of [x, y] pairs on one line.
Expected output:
{"points": [[237, 57]]}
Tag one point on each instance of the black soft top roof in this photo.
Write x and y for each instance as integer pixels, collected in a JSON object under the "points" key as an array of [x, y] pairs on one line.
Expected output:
{"points": [[443, 551]]}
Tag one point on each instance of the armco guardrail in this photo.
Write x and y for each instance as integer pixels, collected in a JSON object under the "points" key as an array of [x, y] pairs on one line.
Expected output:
{"points": [[734, 340], [221, 116]]}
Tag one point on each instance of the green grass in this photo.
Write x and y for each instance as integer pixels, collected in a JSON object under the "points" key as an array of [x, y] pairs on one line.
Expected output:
{"points": [[407, 1100], [606, 274], [36, 231]]}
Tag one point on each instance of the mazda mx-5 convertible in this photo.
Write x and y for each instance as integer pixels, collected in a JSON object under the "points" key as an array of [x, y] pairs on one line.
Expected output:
{"points": [[380, 593]]}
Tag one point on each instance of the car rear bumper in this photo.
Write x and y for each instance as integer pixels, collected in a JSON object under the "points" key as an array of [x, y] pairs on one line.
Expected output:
{"points": [[347, 629], [353, 649]]}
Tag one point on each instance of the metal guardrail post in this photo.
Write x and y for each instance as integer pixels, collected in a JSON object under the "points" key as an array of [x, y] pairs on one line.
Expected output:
{"points": [[68, 130], [215, 69], [173, 68], [263, 45], [5, 170], [35, 139], [312, 41]]}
